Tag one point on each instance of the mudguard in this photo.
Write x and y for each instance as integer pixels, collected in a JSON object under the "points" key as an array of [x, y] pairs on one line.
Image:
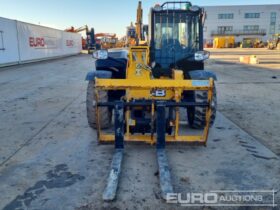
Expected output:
{"points": [[99, 74], [202, 75]]}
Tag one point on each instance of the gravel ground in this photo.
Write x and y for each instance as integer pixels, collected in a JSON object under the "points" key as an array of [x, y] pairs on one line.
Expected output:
{"points": [[50, 158], [249, 94]]}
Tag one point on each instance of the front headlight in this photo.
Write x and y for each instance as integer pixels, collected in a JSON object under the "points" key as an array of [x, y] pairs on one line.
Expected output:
{"points": [[100, 54], [201, 55]]}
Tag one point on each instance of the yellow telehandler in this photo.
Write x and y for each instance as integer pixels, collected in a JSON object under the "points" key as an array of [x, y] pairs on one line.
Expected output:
{"points": [[138, 94]]}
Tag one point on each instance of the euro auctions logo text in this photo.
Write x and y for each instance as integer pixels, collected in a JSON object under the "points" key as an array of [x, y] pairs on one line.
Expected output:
{"points": [[45, 42], [224, 198], [192, 198], [36, 42]]}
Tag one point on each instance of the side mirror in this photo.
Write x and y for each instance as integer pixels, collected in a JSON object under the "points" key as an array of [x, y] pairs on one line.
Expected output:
{"points": [[100, 54], [201, 55]]}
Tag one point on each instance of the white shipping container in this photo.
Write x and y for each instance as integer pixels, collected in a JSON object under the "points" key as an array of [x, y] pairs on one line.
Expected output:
{"points": [[72, 43], [9, 53], [37, 42], [23, 42]]}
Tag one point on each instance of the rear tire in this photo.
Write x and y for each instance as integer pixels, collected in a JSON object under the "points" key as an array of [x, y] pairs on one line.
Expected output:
{"points": [[105, 114], [197, 115]]}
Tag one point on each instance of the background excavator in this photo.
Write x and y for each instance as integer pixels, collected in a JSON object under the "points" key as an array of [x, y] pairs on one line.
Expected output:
{"points": [[106, 40], [274, 43], [130, 39], [138, 34], [88, 43], [95, 41]]}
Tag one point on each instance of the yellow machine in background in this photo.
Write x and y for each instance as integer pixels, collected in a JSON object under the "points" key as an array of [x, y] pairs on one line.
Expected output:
{"points": [[274, 42], [252, 42], [121, 42], [223, 42], [137, 35], [130, 39], [106, 40]]}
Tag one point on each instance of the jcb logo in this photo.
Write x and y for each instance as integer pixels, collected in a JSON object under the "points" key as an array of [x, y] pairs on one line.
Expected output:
{"points": [[36, 42], [158, 93]]}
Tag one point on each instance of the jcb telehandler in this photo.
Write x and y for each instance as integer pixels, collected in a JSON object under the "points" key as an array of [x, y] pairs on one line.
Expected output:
{"points": [[140, 92]]}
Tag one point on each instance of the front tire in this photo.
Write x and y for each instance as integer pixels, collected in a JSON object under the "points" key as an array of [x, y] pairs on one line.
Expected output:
{"points": [[105, 114], [197, 115]]}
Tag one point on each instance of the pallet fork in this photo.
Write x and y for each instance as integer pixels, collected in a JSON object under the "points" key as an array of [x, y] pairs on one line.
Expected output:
{"points": [[110, 191]]}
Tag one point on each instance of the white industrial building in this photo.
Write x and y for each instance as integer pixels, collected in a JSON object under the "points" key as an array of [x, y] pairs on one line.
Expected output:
{"points": [[242, 21]]}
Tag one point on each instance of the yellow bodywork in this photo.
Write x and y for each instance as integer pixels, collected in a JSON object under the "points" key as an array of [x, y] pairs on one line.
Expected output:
{"points": [[139, 84], [223, 42]]}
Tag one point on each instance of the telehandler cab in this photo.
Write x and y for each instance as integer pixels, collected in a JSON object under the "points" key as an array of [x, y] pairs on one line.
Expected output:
{"points": [[141, 91]]}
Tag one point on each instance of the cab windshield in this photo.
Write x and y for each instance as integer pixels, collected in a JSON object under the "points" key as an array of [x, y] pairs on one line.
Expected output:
{"points": [[176, 36]]}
